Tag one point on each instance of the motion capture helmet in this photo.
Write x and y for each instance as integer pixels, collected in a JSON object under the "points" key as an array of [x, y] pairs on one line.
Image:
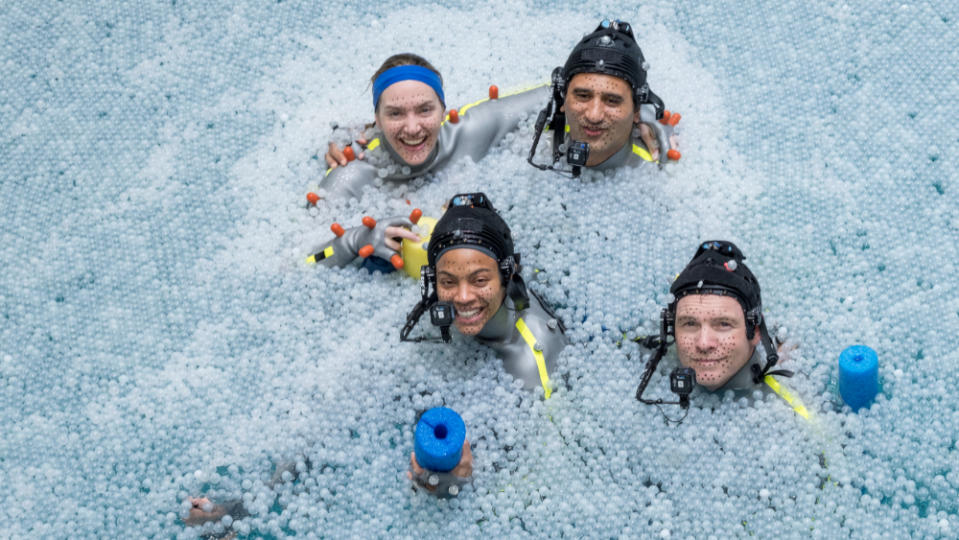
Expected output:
{"points": [[718, 268], [610, 50], [470, 222]]}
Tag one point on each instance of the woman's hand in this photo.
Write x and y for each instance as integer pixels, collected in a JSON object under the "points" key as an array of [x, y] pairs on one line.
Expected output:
{"points": [[463, 469]]}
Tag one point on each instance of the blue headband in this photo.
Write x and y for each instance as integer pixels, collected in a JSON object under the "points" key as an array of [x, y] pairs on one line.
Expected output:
{"points": [[407, 73]]}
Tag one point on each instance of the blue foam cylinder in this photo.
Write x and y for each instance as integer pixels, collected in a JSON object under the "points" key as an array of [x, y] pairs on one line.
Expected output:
{"points": [[438, 440], [858, 376]]}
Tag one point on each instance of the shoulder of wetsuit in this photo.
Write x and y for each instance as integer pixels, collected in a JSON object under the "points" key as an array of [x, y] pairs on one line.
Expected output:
{"points": [[484, 124], [547, 309], [547, 329], [539, 339], [502, 115]]}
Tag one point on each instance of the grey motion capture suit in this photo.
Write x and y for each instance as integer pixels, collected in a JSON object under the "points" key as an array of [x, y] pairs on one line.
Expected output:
{"points": [[344, 249], [743, 379], [742, 384], [502, 334], [479, 128]]}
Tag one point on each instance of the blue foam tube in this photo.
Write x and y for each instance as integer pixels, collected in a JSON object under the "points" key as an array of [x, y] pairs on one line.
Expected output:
{"points": [[438, 440], [858, 376]]}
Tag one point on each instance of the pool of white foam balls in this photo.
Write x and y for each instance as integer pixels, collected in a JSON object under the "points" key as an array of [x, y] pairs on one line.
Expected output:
{"points": [[161, 336]]}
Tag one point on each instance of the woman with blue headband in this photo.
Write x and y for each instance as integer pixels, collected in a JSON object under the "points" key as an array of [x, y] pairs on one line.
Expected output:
{"points": [[413, 136], [409, 104]]}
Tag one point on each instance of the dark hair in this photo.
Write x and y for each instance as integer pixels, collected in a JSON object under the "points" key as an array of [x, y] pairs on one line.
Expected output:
{"points": [[405, 59]]}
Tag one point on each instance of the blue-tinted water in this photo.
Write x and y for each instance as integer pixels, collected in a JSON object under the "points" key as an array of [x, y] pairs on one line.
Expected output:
{"points": [[161, 338]]}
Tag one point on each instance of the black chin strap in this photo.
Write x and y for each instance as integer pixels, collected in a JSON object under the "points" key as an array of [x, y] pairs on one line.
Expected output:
{"points": [[518, 293], [412, 318], [772, 357], [557, 123], [660, 343], [544, 115], [655, 101], [445, 333], [660, 346]]}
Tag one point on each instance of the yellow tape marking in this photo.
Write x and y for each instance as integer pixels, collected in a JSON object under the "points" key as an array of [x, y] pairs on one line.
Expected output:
{"points": [[530, 340], [790, 399], [642, 152], [327, 253]]}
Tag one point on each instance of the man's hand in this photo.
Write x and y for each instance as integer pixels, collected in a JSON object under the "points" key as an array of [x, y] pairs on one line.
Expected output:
{"points": [[649, 139]]}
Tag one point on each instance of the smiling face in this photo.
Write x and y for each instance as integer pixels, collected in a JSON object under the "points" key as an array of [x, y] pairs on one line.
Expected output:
{"points": [[711, 337], [470, 280], [410, 114], [600, 111]]}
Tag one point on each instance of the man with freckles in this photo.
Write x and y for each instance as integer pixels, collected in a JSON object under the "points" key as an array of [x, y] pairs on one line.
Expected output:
{"points": [[711, 339], [717, 321], [601, 98]]}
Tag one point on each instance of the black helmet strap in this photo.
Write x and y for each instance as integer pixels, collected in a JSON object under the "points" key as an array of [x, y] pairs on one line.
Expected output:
{"points": [[427, 299], [552, 116]]}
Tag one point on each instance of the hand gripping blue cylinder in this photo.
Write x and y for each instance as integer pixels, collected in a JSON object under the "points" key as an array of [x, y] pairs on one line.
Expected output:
{"points": [[858, 376], [438, 440]]}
